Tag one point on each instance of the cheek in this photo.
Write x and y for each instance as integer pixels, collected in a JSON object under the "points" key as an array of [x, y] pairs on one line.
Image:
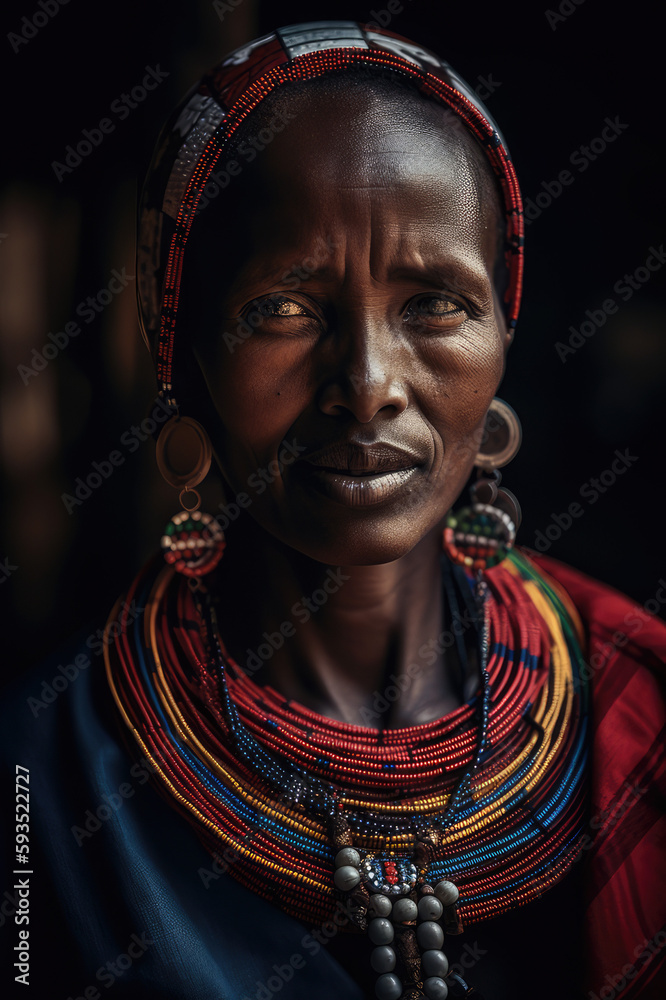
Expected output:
{"points": [[258, 390], [465, 370]]}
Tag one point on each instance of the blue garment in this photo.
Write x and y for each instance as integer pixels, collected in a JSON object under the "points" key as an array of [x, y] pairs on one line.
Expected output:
{"points": [[120, 877]]}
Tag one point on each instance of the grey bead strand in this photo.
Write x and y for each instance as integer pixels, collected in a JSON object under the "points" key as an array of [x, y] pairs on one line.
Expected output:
{"points": [[435, 988], [382, 958], [434, 963], [446, 892], [380, 931], [429, 935], [346, 878], [379, 905], [388, 987], [347, 856], [404, 910], [430, 908]]}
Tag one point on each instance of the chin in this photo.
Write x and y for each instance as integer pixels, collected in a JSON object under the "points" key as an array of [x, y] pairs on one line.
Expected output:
{"points": [[360, 545]]}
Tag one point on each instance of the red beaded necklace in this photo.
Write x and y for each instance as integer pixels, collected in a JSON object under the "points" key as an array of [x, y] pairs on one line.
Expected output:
{"points": [[515, 836]]}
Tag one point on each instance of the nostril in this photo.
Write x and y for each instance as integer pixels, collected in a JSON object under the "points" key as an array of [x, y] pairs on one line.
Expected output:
{"points": [[363, 396]]}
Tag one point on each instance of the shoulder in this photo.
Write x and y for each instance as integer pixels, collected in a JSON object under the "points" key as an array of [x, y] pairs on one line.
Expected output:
{"points": [[625, 831], [625, 670], [34, 706], [610, 618]]}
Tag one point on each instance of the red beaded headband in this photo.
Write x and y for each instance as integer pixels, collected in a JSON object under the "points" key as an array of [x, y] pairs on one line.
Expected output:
{"points": [[192, 142]]}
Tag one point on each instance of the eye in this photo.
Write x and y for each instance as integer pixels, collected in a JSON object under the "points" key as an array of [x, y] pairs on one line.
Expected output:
{"points": [[434, 310], [279, 305]]}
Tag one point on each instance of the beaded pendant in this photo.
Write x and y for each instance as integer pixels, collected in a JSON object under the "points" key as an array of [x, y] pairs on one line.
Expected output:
{"points": [[479, 536], [193, 543], [393, 876], [403, 915]]}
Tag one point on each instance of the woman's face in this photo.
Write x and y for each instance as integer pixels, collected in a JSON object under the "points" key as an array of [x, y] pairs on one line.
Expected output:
{"points": [[356, 340]]}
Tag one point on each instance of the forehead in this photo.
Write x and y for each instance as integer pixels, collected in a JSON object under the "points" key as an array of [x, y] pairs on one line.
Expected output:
{"points": [[341, 127], [382, 163]]}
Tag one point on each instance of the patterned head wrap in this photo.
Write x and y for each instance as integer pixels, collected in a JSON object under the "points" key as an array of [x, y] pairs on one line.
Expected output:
{"points": [[193, 139]]}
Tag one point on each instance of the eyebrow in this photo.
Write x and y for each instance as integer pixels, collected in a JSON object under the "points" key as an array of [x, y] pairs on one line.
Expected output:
{"points": [[257, 276], [438, 275], [260, 279]]}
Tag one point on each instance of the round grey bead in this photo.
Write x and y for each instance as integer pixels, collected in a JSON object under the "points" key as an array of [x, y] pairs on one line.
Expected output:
{"points": [[380, 931], [447, 893], [379, 905], [429, 935], [404, 909], [382, 959], [388, 987], [434, 963], [430, 908], [347, 856], [435, 988], [346, 878]]}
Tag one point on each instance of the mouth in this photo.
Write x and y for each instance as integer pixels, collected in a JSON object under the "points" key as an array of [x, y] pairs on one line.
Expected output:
{"points": [[360, 475], [361, 489]]}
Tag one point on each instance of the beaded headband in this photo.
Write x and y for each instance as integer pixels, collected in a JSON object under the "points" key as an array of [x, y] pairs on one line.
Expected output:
{"points": [[193, 139]]}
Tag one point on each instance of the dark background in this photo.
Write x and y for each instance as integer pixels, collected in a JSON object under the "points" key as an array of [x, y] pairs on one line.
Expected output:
{"points": [[553, 87]]}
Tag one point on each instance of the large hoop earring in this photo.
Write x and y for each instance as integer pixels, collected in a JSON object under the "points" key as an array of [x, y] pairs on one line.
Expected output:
{"points": [[193, 541], [482, 534]]}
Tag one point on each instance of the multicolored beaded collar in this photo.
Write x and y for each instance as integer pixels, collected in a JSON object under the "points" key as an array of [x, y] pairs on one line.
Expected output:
{"points": [[311, 809]]}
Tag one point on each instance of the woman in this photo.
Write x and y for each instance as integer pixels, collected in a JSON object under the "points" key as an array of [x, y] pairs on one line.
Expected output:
{"points": [[414, 761]]}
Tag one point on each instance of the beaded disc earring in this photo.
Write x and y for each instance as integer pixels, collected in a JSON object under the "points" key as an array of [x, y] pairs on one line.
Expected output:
{"points": [[481, 535], [193, 541]]}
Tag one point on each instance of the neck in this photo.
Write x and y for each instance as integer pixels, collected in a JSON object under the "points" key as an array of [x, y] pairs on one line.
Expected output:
{"points": [[355, 643]]}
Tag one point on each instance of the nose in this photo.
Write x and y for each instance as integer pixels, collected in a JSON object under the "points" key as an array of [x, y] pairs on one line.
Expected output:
{"points": [[365, 375]]}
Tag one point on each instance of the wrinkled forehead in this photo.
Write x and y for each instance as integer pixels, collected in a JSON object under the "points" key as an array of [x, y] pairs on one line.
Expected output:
{"points": [[375, 163], [350, 122]]}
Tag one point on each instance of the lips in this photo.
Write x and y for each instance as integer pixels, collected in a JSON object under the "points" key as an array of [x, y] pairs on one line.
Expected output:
{"points": [[357, 459], [357, 475]]}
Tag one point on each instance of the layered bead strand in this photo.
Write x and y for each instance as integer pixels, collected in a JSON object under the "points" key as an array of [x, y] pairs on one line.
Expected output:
{"points": [[261, 777]]}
